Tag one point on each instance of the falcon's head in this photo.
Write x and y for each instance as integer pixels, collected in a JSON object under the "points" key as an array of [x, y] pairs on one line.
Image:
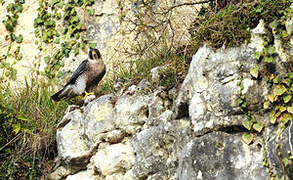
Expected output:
{"points": [[94, 54]]}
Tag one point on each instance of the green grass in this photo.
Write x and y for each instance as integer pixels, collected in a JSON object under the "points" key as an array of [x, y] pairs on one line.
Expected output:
{"points": [[231, 25], [176, 65], [28, 128]]}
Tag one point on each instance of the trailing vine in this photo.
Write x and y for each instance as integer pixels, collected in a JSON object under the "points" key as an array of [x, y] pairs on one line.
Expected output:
{"points": [[59, 23], [279, 101], [13, 10]]}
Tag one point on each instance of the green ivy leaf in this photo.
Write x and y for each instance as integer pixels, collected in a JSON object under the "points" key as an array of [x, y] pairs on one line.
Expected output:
{"points": [[19, 38], [45, 36], [284, 34], [74, 19], [49, 23], [283, 108], [258, 126], [8, 26], [271, 98], [273, 118], [76, 51], [12, 37], [19, 56], [57, 40], [247, 124], [268, 59], [38, 21], [91, 12], [284, 118], [247, 138], [271, 50], [276, 80], [287, 98], [254, 71], [60, 5], [258, 55], [19, 8], [274, 24], [7, 65], [286, 161], [47, 59], [287, 81], [279, 90], [266, 104], [259, 9]]}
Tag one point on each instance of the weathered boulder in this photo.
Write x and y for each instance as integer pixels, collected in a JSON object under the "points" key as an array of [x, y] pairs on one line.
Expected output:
{"points": [[210, 91], [131, 112], [72, 150], [114, 159], [98, 117]]}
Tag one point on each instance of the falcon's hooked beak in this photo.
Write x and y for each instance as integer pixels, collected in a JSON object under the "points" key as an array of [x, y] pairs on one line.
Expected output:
{"points": [[94, 54]]}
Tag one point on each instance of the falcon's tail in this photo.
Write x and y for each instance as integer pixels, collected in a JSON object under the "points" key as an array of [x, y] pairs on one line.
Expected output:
{"points": [[56, 97]]}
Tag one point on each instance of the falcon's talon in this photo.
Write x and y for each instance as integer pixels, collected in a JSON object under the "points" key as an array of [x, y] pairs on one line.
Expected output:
{"points": [[86, 94]]}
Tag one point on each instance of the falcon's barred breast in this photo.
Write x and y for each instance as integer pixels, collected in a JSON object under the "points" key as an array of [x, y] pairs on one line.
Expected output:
{"points": [[85, 78]]}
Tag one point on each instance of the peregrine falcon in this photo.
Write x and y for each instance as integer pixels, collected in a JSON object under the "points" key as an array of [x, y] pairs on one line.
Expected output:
{"points": [[85, 78]]}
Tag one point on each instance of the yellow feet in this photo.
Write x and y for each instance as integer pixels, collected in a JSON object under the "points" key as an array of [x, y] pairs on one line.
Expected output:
{"points": [[86, 94]]}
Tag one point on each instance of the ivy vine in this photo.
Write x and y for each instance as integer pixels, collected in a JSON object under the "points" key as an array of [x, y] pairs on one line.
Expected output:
{"points": [[13, 11], [58, 23]]}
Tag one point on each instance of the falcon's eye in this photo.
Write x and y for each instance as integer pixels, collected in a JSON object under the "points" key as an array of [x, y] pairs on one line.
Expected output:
{"points": [[94, 54]]}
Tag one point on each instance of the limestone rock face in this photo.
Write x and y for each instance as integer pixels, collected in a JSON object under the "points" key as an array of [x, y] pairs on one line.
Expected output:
{"points": [[194, 134], [110, 27], [211, 88], [225, 153]]}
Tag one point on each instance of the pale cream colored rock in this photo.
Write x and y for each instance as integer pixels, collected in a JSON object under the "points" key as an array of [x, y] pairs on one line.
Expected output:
{"points": [[69, 141], [289, 26], [129, 175], [98, 118], [256, 36], [83, 175], [114, 136], [116, 176], [59, 173], [131, 112], [284, 57], [114, 158]]}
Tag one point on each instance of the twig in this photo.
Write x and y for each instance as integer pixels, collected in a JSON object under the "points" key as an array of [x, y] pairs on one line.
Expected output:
{"points": [[187, 4], [11, 141], [290, 143]]}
